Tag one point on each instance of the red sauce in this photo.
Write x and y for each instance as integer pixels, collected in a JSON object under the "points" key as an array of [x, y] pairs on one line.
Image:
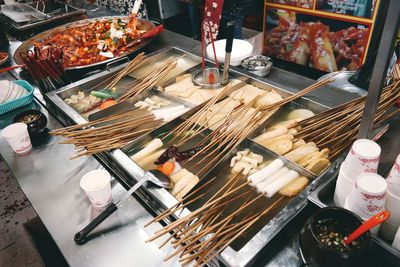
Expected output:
{"points": [[211, 78]]}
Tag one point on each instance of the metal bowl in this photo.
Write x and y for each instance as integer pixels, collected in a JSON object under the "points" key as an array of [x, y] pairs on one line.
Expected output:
{"points": [[258, 65]]}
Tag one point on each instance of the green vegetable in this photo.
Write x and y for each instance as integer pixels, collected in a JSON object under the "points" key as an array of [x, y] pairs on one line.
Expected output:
{"points": [[115, 40], [103, 95]]}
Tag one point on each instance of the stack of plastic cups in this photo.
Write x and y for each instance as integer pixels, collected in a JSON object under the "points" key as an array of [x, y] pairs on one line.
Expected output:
{"points": [[367, 197], [396, 241], [391, 225], [362, 158]]}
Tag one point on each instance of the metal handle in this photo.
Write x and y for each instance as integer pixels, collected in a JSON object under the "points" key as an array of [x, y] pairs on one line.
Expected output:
{"points": [[230, 29], [366, 226], [119, 61], [81, 236]]}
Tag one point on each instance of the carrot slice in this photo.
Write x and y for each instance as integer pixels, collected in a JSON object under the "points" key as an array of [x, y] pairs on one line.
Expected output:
{"points": [[167, 168]]}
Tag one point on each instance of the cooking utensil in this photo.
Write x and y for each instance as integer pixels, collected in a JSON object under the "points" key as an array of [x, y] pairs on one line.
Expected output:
{"points": [[11, 68], [371, 223], [342, 82], [207, 78], [230, 28], [29, 43], [154, 176]]}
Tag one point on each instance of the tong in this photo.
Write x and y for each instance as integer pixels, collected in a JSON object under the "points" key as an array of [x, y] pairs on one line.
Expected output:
{"points": [[45, 67]]}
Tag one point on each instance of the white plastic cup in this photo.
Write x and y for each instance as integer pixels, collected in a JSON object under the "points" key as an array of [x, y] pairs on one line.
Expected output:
{"points": [[396, 241], [9, 2], [393, 178], [374, 230], [343, 187], [367, 197], [17, 136], [97, 187], [392, 204], [363, 158]]}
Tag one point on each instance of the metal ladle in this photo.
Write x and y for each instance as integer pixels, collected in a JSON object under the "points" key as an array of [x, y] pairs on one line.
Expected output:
{"points": [[154, 176]]}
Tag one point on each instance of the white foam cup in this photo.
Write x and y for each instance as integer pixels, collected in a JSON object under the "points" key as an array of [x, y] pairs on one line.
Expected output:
{"points": [[389, 227], [396, 241], [367, 196], [343, 187], [97, 187], [393, 178], [17, 136], [363, 157]]}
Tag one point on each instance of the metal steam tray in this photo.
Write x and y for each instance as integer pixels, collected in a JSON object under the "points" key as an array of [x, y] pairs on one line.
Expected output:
{"points": [[245, 250]]}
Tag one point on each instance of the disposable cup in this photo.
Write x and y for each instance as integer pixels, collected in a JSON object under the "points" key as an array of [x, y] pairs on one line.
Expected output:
{"points": [[97, 187], [343, 186], [374, 230], [396, 241], [363, 157], [17, 136], [392, 204], [393, 178], [367, 196]]}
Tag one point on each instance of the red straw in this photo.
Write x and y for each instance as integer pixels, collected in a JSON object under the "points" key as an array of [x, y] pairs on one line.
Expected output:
{"points": [[202, 48]]}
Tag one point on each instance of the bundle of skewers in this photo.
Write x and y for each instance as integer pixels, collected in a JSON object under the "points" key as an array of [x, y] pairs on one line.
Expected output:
{"points": [[108, 133], [337, 128], [205, 232], [212, 226], [95, 137], [140, 85], [241, 119]]}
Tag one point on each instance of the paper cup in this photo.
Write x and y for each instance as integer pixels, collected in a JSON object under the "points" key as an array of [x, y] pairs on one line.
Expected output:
{"points": [[362, 158], [343, 186], [390, 226], [375, 230], [393, 178], [97, 187], [367, 197], [396, 241], [17, 136]]}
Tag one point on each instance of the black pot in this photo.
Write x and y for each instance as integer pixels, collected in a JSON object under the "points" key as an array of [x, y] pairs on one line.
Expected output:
{"points": [[315, 253], [37, 129]]}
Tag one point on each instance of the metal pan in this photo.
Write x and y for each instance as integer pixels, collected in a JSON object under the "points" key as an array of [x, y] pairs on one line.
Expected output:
{"points": [[28, 44]]}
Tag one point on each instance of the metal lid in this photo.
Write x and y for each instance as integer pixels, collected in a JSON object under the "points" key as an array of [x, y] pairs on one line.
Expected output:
{"points": [[342, 82]]}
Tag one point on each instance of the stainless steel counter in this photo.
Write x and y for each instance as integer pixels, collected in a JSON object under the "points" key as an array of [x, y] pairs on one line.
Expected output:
{"points": [[50, 181]]}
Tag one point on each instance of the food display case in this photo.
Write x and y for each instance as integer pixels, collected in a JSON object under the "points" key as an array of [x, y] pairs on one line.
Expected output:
{"points": [[244, 250]]}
